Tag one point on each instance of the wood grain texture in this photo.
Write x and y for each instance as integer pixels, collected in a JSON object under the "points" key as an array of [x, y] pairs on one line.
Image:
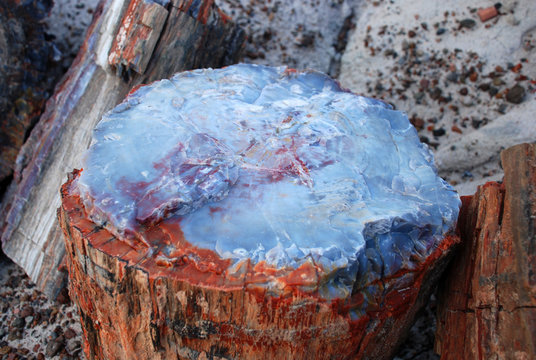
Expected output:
{"points": [[487, 304], [30, 232]]}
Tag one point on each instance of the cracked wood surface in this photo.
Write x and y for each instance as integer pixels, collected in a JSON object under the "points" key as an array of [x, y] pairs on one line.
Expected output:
{"points": [[177, 41], [487, 303]]}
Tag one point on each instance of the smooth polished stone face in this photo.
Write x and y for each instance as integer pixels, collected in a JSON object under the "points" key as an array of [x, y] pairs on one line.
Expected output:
{"points": [[271, 165]]}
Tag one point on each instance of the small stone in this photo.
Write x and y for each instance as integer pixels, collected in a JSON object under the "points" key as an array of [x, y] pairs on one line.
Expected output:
{"points": [[497, 81], [502, 109], [484, 86], [53, 348], [26, 311], [516, 94], [435, 93], [439, 132], [464, 91], [487, 13], [412, 34], [424, 83], [40, 356], [18, 323], [63, 297], [493, 91], [456, 129], [5, 350], [452, 76], [73, 346], [14, 335], [418, 97], [441, 31], [467, 23], [69, 333], [417, 122]]}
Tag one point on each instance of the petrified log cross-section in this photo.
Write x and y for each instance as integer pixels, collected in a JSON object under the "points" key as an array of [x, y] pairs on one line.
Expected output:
{"points": [[140, 40], [487, 305], [253, 212]]}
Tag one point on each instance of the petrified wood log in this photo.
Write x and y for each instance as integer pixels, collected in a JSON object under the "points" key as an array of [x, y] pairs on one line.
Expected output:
{"points": [[487, 305], [253, 212], [141, 41]]}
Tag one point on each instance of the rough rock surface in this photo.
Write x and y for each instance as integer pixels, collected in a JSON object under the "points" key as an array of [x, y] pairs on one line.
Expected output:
{"points": [[30, 235], [28, 73], [487, 305], [162, 248]]}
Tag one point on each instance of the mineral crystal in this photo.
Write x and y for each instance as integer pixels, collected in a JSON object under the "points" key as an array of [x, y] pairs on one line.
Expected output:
{"points": [[270, 166]]}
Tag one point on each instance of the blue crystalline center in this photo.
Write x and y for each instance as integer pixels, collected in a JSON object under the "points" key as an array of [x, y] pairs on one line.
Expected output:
{"points": [[267, 164]]}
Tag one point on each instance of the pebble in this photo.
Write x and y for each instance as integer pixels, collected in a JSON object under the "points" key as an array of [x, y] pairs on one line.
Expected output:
{"points": [[439, 132], [5, 350], [53, 348], [456, 129], [497, 81], [452, 76], [18, 322], [493, 91], [69, 333], [516, 94], [26, 311], [441, 31], [467, 23], [417, 122], [435, 93], [73, 346]]}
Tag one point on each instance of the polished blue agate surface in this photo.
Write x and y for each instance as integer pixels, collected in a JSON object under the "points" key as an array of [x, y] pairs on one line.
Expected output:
{"points": [[269, 164]]}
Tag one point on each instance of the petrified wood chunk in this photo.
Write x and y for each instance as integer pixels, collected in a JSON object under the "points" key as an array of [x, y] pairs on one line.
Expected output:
{"points": [[28, 74], [487, 305], [253, 212], [141, 41]]}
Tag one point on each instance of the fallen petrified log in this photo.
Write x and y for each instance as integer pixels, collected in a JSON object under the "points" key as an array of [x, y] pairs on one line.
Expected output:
{"points": [[487, 304], [28, 74], [128, 43], [253, 212]]}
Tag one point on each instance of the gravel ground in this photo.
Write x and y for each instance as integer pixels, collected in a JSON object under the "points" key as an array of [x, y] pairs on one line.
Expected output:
{"points": [[32, 327]]}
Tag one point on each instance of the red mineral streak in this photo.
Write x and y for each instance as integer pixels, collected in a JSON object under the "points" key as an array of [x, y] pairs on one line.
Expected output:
{"points": [[169, 297]]}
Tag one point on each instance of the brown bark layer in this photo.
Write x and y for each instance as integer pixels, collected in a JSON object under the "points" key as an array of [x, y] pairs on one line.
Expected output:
{"points": [[127, 44], [487, 303], [135, 304]]}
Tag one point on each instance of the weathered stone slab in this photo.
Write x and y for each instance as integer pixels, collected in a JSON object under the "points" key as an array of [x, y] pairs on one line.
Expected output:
{"points": [[487, 304], [30, 233]]}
